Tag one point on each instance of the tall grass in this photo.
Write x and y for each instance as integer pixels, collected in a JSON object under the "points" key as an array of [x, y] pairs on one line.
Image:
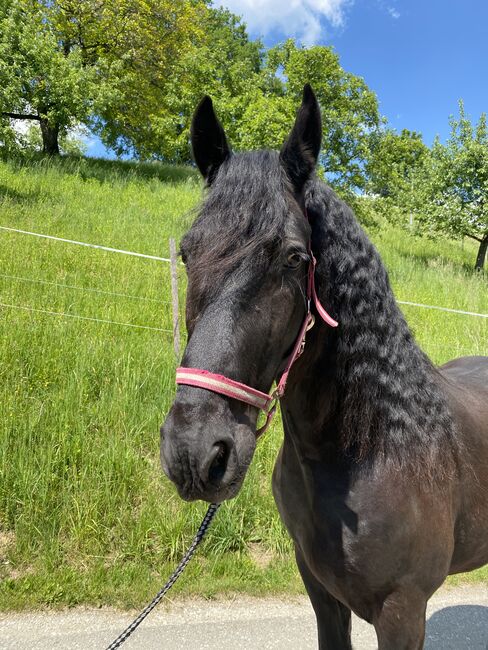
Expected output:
{"points": [[85, 513]]}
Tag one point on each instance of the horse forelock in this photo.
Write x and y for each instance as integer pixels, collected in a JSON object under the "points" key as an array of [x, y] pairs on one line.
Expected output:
{"points": [[242, 218]]}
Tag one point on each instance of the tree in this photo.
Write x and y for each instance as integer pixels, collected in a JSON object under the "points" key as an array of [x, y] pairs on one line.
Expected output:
{"points": [[64, 62], [41, 78], [450, 190], [71, 143], [134, 70], [349, 109], [152, 117], [256, 94], [393, 159]]}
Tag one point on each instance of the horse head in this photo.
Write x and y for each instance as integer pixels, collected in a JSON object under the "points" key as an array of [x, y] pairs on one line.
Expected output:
{"points": [[246, 256]]}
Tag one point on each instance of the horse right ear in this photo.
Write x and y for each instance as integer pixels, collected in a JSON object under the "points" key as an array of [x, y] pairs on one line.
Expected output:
{"points": [[208, 140], [300, 151]]}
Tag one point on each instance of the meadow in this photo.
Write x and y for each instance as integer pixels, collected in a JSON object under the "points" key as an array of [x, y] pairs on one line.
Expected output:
{"points": [[86, 515]]}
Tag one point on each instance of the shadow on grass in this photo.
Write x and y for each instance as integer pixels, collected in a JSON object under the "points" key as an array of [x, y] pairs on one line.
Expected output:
{"points": [[463, 627], [107, 170], [110, 170], [14, 196]]}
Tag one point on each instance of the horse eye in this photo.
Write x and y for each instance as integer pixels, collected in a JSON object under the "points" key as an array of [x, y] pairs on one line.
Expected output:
{"points": [[294, 260]]}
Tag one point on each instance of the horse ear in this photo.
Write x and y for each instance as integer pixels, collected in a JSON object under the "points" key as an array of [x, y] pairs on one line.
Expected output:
{"points": [[300, 151], [208, 140]]}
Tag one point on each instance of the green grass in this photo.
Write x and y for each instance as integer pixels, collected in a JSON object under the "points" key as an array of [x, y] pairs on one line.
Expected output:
{"points": [[86, 515]]}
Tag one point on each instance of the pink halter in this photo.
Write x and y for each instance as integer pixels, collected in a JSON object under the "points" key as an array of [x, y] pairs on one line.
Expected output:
{"points": [[243, 393]]}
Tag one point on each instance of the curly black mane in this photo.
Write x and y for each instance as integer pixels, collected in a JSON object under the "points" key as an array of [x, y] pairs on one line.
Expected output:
{"points": [[390, 397]]}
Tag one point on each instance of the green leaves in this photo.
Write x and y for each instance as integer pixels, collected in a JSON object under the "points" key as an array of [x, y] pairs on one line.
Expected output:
{"points": [[457, 180], [444, 187], [38, 74], [134, 70], [104, 64], [349, 109], [393, 160]]}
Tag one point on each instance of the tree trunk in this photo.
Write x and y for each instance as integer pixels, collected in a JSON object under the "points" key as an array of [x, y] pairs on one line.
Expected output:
{"points": [[480, 258], [50, 136]]}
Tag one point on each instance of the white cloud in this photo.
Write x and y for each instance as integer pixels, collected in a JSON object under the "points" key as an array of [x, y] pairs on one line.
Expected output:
{"points": [[393, 12], [289, 18]]}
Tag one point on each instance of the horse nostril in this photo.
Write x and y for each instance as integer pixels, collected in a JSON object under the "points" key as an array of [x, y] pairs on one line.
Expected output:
{"points": [[218, 465]]}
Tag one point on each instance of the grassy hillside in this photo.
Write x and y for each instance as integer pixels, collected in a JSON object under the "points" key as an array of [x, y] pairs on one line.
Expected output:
{"points": [[85, 512]]}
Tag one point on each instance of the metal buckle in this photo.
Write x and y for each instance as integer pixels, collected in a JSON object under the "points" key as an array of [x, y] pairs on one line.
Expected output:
{"points": [[310, 324]]}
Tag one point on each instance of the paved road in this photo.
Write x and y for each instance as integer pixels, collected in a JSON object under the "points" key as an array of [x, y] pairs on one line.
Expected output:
{"points": [[457, 620]]}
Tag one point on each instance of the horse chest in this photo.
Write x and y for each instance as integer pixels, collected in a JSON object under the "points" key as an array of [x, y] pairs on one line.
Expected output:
{"points": [[357, 537], [317, 514]]}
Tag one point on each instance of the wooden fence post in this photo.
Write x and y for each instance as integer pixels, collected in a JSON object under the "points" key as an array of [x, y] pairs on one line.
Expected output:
{"points": [[174, 298]]}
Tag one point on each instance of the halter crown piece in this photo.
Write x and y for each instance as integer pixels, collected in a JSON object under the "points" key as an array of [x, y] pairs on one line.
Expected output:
{"points": [[243, 393]]}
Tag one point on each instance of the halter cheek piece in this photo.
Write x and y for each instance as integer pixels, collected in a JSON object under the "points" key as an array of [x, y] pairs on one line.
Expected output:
{"points": [[243, 393]]}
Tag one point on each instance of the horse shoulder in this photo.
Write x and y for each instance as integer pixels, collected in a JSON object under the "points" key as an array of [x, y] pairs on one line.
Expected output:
{"points": [[466, 384]]}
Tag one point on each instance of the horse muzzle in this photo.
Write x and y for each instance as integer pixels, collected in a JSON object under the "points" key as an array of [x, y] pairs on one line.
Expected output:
{"points": [[207, 459]]}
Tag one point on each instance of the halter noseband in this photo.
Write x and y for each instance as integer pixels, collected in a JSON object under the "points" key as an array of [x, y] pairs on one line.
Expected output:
{"points": [[243, 393]]}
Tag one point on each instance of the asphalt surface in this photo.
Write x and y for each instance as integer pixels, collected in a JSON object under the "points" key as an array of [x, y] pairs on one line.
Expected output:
{"points": [[457, 620]]}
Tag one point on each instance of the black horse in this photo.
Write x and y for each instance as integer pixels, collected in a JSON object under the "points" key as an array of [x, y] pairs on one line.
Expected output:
{"points": [[382, 480]]}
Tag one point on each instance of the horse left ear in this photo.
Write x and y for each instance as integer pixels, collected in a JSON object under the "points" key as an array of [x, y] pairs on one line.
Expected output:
{"points": [[300, 151], [208, 140]]}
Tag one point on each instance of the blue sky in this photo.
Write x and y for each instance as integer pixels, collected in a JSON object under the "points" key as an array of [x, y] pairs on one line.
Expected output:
{"points": [[420, 57]]}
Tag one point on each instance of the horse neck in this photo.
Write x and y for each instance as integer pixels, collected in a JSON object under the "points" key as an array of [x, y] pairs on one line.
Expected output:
{"points": [[366, 387]]}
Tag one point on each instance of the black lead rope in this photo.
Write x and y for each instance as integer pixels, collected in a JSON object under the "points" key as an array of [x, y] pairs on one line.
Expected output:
{"points": [[207, 520]]}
